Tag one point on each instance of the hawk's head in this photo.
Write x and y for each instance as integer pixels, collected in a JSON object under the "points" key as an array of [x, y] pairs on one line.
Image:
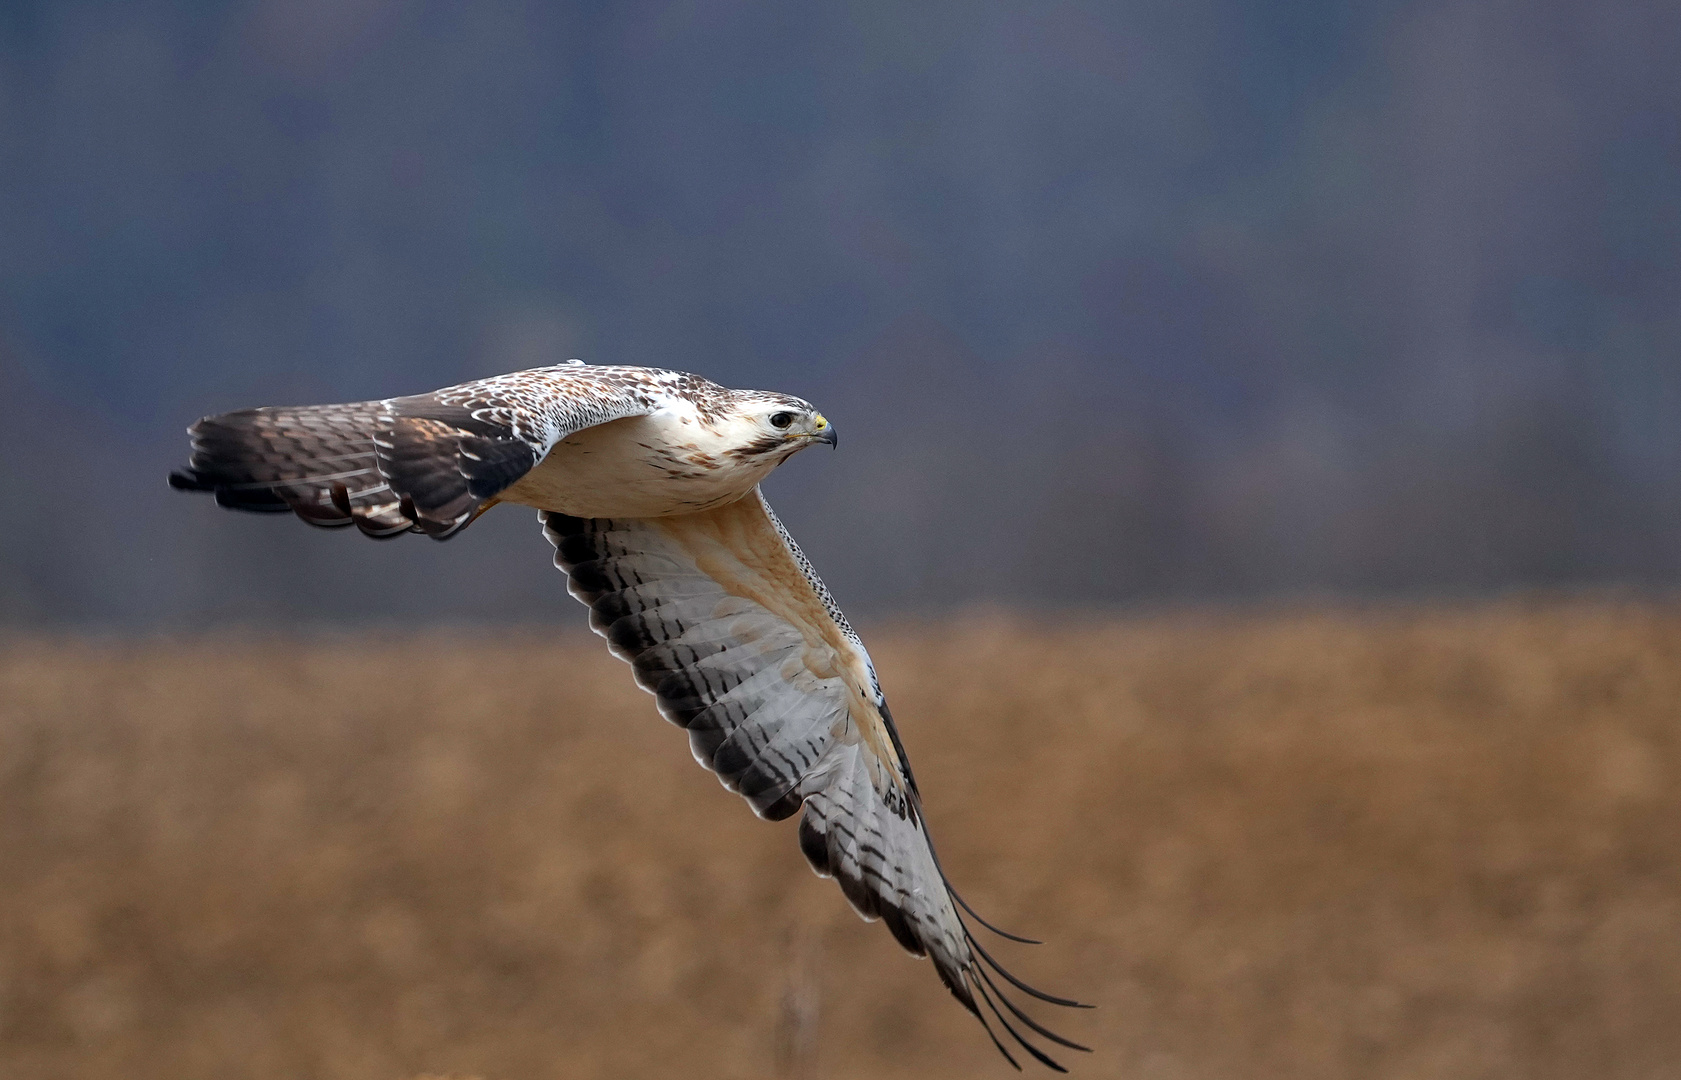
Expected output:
{"points": [[763, 426]]}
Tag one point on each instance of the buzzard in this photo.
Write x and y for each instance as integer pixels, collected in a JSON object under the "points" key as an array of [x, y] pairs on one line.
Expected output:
{"points": [[646, 481]]}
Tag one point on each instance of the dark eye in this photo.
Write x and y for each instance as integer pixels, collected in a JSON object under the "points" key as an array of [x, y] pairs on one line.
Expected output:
{"points": [[781, 419]]}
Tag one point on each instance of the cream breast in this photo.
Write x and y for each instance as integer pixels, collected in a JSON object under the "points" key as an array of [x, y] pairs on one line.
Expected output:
{"points": [[641, 466]]}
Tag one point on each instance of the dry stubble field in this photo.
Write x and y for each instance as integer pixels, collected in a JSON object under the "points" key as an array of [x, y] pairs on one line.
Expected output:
{"points": [[1414, 843]]}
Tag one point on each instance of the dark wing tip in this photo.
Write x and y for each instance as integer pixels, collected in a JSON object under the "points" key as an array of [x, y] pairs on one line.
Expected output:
{"points": [[999, 1003], [1038, 1055], [976, 975], [1017, 983], [1028, 1020], [973, 914], [186, 480]]}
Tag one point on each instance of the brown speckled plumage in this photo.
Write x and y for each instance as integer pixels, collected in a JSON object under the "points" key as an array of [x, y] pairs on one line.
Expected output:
{"points": [[447, 452]]}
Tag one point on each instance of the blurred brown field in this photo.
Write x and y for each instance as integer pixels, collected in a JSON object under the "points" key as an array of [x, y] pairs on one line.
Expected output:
{"points": [[1382, 843]]}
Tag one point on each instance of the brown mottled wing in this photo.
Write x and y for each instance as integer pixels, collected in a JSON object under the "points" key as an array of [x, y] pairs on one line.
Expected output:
{"points": [[426, 463], [725, 624]]}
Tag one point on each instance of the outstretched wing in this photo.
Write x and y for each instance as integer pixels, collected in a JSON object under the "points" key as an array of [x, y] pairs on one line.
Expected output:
{"points": [[727, 626], [427, 463]]}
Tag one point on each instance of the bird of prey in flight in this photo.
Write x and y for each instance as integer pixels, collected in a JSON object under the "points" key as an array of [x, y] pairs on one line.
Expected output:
{"points": [[647, 483]]}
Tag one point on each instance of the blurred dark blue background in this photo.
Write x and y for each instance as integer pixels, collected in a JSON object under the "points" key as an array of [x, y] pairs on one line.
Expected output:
{"points": [[1172, 299]]}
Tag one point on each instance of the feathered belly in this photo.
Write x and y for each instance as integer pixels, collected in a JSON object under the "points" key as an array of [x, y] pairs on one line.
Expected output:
{"points": [[637, 467]]}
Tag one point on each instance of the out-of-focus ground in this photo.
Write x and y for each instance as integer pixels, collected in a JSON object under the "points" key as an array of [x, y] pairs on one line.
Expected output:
{"points": [[1391, 843]]}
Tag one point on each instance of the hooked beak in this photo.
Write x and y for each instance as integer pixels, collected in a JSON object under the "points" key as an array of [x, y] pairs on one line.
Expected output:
{"points": [[826, 431]]}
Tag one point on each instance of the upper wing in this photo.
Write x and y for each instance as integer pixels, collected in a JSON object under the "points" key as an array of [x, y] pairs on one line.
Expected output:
{"points": [[426, 463], [725, 623]]}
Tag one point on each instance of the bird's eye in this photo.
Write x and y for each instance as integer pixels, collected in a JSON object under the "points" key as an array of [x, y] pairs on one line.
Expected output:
{"points": [[781, 419]]}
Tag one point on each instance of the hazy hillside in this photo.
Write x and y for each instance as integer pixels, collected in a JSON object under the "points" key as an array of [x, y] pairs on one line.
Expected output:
{"points": [[1200, 298]]}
